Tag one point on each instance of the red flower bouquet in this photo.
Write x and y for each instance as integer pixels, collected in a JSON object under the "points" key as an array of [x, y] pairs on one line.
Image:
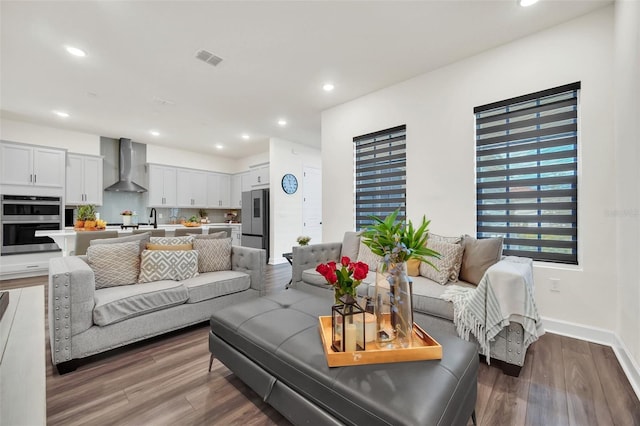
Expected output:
{"points": [[345, 279]]}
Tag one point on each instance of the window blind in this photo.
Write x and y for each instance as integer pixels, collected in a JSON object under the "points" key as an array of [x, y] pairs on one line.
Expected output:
{"points": [[380, 175], [527, 174]]}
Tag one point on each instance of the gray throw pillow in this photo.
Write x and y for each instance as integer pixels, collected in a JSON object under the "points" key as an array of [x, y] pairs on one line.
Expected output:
{"points": [[350, 245], [478, 256], [143, 239], [114, 264]]}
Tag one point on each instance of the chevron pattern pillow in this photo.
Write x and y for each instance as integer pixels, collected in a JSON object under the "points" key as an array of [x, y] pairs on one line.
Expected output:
{"points": [[114, 264], [448, 265], [177, 265], [213, 254], [171, 241]]}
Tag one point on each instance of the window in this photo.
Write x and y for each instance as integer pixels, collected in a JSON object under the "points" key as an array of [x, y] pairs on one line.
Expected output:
{"points": [[527, 174], [380, 174]]}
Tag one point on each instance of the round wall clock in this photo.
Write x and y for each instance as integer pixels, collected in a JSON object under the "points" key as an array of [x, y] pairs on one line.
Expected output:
{"points": [[289, 183]]}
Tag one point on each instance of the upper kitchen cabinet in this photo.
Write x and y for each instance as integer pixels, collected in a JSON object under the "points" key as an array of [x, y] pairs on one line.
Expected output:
{"points": [[162, 186], [192, 188], [259, 177], [256, 178], [236, 190], [32, 167], [218, 190], [84, 180]]}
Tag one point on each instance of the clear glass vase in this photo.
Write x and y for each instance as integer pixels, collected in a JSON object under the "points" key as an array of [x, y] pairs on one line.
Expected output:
{"points": [[393, 308]]}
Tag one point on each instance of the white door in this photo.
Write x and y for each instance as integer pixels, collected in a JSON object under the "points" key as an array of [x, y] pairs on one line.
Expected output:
{"points": [[312, 204], [92, 172]]}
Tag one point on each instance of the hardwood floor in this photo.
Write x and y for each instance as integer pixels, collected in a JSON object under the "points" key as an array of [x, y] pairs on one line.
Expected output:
{"points": [[165, 381]]}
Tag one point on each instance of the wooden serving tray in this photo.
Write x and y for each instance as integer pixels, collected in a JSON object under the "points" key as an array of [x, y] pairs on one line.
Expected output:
{"points": [[423, 347]]}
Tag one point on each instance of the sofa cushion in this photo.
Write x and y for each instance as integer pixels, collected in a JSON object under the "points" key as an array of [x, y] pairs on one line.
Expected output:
{"points": [[142, 239], [175, 265], [448, 266], [350, 245], [151, 246], [172, 240], [210, 285], [426, 297], [413, 267], [478, 256], [114, 264], [120, 303]]}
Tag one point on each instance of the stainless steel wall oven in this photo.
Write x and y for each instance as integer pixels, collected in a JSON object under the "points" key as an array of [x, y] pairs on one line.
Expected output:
{"points": [[22, 216]]}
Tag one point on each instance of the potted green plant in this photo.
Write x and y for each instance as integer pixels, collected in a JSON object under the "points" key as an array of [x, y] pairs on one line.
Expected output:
{"points": [[86, 218], [303, 240], [204, 217], [395, 242]]}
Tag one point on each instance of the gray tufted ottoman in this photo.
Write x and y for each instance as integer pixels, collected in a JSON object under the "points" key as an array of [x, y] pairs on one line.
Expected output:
{"points": [[272, 343]]}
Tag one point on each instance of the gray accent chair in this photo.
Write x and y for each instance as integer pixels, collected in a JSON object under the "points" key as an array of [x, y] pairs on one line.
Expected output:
{"points": [[181, 232], [83, 239], [507, 349], [153, 232]]}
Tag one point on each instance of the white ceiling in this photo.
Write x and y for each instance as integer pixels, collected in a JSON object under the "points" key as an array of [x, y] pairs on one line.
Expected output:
{"points": [[277, 55]]}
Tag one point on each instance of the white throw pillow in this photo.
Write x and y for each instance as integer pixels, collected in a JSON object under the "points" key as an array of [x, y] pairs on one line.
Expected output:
{"points": [[170, 241]]}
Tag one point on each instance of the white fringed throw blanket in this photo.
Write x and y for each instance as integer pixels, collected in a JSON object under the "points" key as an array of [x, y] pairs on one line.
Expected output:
{"points": [[504, 294]]}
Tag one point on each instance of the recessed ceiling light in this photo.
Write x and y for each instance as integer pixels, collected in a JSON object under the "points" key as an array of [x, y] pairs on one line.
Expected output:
{"points": [[61, 114], [245, 136], [219, 146], [75, 51], [525, 3], [282, 122], [154, 132], [327, 87]]}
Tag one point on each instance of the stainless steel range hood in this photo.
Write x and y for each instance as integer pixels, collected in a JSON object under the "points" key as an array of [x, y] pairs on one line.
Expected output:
{"points": [[126, 184]]}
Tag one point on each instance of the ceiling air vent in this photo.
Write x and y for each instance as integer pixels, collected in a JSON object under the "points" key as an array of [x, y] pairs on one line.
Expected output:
{"points": [[208, 57]]}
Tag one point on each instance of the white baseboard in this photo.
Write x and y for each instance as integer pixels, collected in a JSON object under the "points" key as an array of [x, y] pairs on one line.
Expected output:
{"points": [[603, 337]]}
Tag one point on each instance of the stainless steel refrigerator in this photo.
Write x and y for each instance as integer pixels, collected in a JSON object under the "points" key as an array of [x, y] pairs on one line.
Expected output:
{"points": [[255, 219]]}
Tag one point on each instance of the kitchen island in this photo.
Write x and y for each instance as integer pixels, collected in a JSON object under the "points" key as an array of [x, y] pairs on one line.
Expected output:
{"points": [[65, 238]]}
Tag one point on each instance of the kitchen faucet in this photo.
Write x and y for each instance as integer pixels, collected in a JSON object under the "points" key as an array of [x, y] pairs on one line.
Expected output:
{"points": [[154, 215]]}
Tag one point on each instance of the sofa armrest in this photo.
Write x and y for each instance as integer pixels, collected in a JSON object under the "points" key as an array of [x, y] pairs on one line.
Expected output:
{"points": [[71, 301], [251, 261], [307, 257]]}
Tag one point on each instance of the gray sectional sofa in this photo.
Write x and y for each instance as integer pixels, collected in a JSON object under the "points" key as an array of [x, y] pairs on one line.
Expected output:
{"points": [[84, 321], [507, 348]]}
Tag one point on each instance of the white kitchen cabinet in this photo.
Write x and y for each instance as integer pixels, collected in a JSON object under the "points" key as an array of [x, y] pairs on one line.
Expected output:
{"points": [[218, 190], [236, 236], [32, 166], [162, 186], [259, 177], [84, 180], [236, 191], [192, 188]]}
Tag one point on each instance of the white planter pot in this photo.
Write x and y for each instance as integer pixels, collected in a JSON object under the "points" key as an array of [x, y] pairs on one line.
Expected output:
{"points": [[126, 220]]}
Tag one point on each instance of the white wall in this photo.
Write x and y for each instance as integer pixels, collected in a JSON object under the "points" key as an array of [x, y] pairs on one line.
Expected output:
{"points": [[195, 160], [243, 164], [626, 213], [77, 142], [437, 108], [285, 209]]}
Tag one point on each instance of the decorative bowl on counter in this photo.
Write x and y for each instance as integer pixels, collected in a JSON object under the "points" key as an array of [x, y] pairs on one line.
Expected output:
{"points": [[191, 224]]}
